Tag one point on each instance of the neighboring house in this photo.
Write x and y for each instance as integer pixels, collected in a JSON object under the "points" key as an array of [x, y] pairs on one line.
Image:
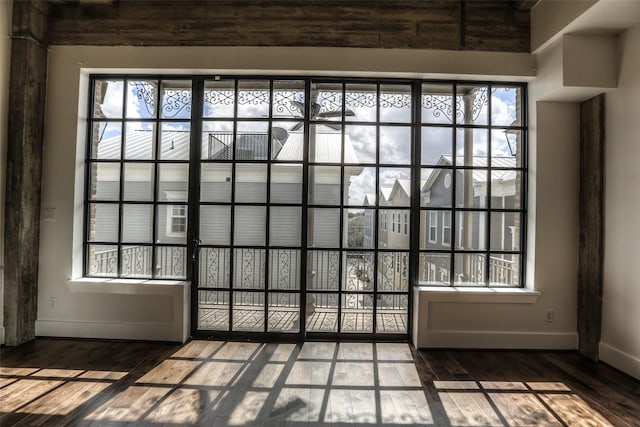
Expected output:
{"points": [[216, 186], [470, 233]]}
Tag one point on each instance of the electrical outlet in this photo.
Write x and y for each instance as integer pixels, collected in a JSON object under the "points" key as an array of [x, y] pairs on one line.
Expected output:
{"points": [[549, 317], [52, 302]]}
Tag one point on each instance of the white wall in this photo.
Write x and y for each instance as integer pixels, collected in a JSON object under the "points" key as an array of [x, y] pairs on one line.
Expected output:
{"points": [[5, 61], [516, 321], [620, 344]]}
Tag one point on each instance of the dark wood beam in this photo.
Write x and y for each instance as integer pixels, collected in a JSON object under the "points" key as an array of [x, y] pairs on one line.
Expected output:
{"points": [[412, 24], [591, 244], [24, 168]]}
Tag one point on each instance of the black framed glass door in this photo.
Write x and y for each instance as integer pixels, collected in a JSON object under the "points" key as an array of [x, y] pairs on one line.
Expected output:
{"points": [[298, 232]]}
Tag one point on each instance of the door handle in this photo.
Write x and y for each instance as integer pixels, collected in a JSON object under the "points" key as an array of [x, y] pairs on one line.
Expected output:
{"points": [[196, 248]]}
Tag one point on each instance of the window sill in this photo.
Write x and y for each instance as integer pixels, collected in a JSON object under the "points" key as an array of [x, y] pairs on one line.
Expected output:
{"points": [[477, 295], [96, 285]]}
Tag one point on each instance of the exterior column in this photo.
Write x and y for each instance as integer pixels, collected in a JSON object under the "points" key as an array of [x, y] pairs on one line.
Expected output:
{"points": [[24, 168]]}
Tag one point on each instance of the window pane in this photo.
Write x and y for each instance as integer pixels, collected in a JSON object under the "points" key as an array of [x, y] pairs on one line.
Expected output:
{"points": [[358, 267], [251, 183], [472, 232], [219, 98], [434, 268], [249, 268], [392, 313], [506, 148], [284, 269], [103, 222], [431, 236], [248, 311], [505, 231], [506, 106], [395, 185], [436, 146], [326, 101], [505, 189], [354, 225], [288, 98], [214, 267], [137, 223], [106, 140], [504, 270], [471, 147], [324, 228], [393, 271], [171, 262], [138, 182], [286, 183], [287, 141], [253, 99], [102, 260], [215, 225], [252, 141], [324, 185], [437, 103], [472, 102], [360, 186], [361, 102], [395, 145], [213, 310], [436, 187], [105, 181], [175, 141], [217, 141], [108, 98], [249, 226], [325, 145], [325, 267], [171, 224], [176, 99], [284, 312], [135, 261], [470, 269], [396, 235], [285, 226], [395, 103], [322, 312], [139, 141], [471, 188], [360, 144], [174, 182], [215, 182], [357, 313], [142, 99]]}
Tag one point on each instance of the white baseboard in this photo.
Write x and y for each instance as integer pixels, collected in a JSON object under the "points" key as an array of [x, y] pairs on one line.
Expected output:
{"points": [[620, 360], [499, 340], [111, 330]]}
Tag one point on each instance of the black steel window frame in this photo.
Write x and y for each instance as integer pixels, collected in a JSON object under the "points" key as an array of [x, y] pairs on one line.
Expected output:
{"points": [[156, 204], [413, 252]]}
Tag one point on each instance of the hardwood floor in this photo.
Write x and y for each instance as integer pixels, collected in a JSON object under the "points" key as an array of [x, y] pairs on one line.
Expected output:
{"points": [[107, 383]]}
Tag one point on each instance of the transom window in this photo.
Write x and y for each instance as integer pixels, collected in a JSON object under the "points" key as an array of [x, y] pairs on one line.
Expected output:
{"points": [[305, 193]]}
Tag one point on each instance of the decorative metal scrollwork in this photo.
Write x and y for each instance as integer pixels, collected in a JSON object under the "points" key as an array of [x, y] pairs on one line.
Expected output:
{"points": [[176, 101], [219, 97], [395, 100], [145, 91], [253, 97], [361, 99], [286, 102], [329, 101], [441, 105]]}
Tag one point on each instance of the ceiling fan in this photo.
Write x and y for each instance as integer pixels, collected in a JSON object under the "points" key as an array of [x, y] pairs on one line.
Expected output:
{"points": [[317, 114]]}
